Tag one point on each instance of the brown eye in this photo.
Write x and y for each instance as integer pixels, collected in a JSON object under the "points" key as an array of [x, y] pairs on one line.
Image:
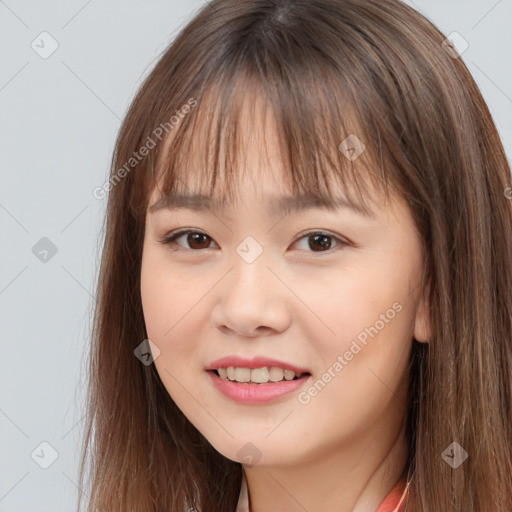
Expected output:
{"points": [[196, 240], [318, 241], [322, 242]]}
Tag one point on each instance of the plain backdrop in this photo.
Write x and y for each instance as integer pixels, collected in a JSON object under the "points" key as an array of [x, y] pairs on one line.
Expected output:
{"points": [[69, 70]]}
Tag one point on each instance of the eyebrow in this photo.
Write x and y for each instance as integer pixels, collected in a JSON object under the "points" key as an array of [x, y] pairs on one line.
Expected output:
{"points": [[278, 206]]}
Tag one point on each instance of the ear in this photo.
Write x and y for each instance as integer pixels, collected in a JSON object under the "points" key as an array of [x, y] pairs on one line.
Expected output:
{"points": [[422, 324]]}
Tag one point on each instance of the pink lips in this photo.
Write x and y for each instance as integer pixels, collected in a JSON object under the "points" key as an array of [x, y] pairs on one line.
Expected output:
{"points": [[255, 362], [250, 393]]}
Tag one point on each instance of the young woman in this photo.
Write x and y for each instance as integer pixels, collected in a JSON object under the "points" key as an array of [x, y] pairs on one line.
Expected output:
{"points": [[305, 295]]}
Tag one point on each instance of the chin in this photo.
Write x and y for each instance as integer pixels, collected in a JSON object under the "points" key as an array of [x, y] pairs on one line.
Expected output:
{"points": [[253, 451]]}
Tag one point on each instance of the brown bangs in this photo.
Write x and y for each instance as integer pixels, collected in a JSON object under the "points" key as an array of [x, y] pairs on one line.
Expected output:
{"points": [[311, 124]]}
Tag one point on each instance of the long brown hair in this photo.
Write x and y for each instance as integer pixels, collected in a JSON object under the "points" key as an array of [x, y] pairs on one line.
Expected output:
{"points": [[327, 69]]}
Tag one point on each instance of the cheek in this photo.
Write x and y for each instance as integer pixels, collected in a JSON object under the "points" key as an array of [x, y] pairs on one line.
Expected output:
{"points": [[156, 301], [174, 315], [170, 324], [164, 301], [371, 321], [360, 304]]}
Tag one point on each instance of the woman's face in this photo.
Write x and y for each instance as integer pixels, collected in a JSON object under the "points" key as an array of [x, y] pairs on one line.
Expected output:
{"points": [[253, 282]]}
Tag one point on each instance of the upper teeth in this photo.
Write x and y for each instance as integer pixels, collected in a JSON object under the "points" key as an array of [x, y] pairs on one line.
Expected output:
{"points": [[257, 375]]}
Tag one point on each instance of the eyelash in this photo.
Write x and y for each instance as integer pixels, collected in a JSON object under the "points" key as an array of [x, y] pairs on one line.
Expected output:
{"points": [[170, 240]]}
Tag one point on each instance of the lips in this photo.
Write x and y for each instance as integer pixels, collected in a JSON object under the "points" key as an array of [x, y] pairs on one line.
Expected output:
{"points": [[255, 362], [256, 394]]}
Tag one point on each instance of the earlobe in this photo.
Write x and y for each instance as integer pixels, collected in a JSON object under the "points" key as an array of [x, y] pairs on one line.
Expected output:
{"points": [[422, 324]]}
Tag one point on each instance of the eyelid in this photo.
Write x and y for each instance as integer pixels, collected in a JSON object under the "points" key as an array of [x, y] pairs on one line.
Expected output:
{"points": [[173, 235]]}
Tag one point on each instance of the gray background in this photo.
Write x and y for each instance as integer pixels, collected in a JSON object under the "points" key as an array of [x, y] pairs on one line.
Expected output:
{"points": [[59, 116]]}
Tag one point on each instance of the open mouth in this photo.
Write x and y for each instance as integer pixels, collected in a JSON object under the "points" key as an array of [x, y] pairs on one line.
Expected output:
{"points": [[258, 376], [253, 386]]}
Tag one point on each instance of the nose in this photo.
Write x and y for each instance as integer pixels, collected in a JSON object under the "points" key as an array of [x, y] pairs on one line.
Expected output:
{"points": [[252, 300]]}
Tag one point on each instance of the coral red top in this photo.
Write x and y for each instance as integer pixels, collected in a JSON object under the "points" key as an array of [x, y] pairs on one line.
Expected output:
{"points": [[393, 502]]}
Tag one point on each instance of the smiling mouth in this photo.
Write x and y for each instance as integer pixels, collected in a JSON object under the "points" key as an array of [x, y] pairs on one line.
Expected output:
{"points": [[258, 376]]}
